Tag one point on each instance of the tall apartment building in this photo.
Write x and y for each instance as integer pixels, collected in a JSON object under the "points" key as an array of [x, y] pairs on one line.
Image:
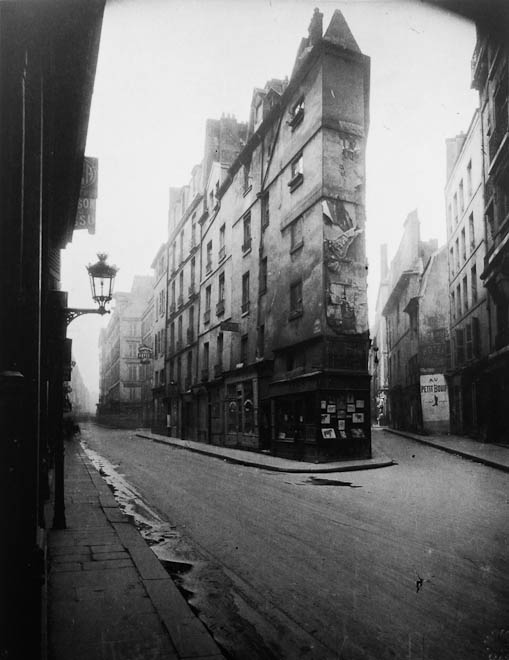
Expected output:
{"points": [[268, 334], [417, 330], [490, 71], [120, 382], [466, 249], [146, 367], [189, 208], [159, 394]]}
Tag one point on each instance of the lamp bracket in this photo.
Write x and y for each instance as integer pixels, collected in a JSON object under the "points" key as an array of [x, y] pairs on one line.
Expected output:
{"points": [[72, 313]]}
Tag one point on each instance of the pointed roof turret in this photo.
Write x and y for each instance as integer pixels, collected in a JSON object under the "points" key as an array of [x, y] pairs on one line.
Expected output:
{"points": [[339, 33]]}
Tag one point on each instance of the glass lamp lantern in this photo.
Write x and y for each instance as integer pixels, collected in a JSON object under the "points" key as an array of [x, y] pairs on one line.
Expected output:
{"points": [[102, 278]]}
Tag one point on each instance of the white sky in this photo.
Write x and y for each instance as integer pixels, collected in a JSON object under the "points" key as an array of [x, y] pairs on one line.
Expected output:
{"points": [[165, 66]]}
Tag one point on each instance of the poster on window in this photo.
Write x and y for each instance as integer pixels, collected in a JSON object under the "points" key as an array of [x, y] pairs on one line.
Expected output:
{"points": [[435, 402]]}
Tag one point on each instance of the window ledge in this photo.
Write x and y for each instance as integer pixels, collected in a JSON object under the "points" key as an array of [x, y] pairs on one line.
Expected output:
{"points": [[247, 190], [297, 247], [295, 314], [295, 182]]}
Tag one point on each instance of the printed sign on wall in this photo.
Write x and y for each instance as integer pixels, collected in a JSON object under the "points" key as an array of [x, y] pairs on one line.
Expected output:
{"points": [[434, 398]]}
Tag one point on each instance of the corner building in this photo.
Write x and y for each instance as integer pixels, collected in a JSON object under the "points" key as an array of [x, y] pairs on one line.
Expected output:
{"points": [[282, 308]]}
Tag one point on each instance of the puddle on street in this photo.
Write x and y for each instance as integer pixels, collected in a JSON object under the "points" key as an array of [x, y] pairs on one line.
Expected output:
{"points": [[318, 481]]}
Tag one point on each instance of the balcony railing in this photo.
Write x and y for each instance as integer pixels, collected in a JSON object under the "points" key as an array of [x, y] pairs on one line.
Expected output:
{"points": [[206, 316], [218, 370], [220, 308]]}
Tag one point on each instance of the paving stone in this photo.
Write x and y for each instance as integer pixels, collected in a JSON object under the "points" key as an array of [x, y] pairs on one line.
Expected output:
{"points": [[66, 567], [147, 563], [108, 556], [106, 565], [158, 647], [165, 595], [113, 547], [114, 514], [129, 535], [189, 636]]}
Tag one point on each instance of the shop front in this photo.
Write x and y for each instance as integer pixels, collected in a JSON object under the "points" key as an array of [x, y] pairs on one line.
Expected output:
{"points": [[321, 417]]}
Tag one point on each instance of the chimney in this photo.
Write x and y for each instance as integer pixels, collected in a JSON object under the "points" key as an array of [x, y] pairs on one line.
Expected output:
{"points": [[453, 147], [384, 265], [316, 27]]}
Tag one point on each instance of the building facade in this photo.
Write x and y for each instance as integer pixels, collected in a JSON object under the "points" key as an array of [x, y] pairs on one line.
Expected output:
{"points": [[490, 67], [158, 364], [468, 297], [48, 56], [268, 344], [120, 402], [417, 332]]}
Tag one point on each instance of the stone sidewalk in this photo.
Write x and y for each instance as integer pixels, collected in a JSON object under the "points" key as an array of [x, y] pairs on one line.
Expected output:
{"points": [[492, 455], [109, 598], [267, 461]]}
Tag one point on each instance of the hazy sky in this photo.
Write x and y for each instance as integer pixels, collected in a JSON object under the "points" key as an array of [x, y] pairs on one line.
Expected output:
{"points": [[165, 66]]}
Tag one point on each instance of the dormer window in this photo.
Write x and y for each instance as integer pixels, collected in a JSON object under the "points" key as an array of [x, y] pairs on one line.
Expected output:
{"points": [[296, 113], [258, 115]]}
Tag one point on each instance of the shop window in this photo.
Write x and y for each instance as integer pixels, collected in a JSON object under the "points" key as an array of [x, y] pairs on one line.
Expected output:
{"points": [[296, 113], [265, 211], [471, 231], [263, 275], [246, 245], [244, 349], [296, 308], [296, 172], [208, 265], [296, 240], [473, 284], [245, 293]]}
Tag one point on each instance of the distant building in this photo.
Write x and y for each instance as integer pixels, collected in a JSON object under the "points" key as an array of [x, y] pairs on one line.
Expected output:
{"points": [[417, 327], [120, 381], [490, 66], [466, 249], [79, 395], [378, 356], [146, 366], [268, 335]]}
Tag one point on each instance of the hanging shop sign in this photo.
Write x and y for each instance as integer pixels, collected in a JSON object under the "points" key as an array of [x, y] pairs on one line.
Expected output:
{"points": [[229, 326], [85, 217]]}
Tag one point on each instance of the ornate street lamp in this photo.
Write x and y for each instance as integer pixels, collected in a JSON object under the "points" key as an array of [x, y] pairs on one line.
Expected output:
{"points": [[102, 279]]}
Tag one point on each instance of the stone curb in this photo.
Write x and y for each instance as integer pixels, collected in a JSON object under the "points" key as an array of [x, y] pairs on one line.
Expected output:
{"points": [[367, 464], [451, 450]]}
